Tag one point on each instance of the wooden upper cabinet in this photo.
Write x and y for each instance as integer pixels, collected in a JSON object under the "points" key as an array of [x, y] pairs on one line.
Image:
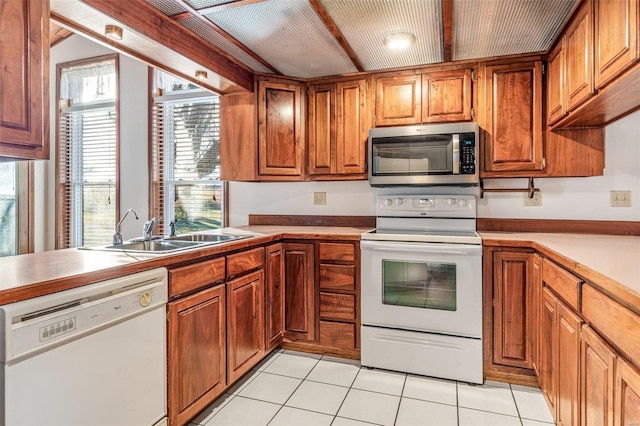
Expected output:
{"points": [[446, 96], [556, 88], [512, 118], [579, 57], [24, 80], [280, 129], [398, 100], [616, 38], [338, 130], [238, 137]]}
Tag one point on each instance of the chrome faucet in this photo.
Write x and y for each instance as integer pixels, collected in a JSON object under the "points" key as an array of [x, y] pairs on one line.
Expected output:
{"points": [[147, 230], [117, 237]]}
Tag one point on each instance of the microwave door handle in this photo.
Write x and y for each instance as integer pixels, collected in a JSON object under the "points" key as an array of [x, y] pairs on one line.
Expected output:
{"points": [[456, 154]]}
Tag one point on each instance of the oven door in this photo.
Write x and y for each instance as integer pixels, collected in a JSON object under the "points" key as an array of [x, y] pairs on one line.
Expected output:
{"points": [[430, 287]]}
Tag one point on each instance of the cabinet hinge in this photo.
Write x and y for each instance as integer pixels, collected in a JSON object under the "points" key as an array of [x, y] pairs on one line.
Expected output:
{"points": [[473, 75], [366, 85], [544, 163], [580, 334], [374, 121], [308, 91], [375, 83], [544, 68], [473, 113]]}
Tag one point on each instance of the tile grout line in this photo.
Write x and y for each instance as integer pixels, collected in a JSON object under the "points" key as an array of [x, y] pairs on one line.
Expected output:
{"points": [[516, 404], [404, 383]]}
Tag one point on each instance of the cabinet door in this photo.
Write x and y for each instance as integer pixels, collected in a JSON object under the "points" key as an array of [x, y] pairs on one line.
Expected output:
{"points": [[280, 130], [511, 341], [616, 38], [24, 80], [238, 141], [322, 134], [579, 47], [446, 96], [597, 380], [352, 127], [548, 347], [534, 311], [627, 394], [300, 316], [196, 353], [274, 306], [556, 88], [245, 324], [397, 100], [567, 368], [513, 127]]}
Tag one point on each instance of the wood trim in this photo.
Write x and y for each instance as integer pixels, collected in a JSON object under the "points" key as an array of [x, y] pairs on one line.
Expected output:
{"points": [[25, 204], [305, 220], [171, 34], [199, 14], [603, 227], [215, 8], [447, 33], [333, 29]]}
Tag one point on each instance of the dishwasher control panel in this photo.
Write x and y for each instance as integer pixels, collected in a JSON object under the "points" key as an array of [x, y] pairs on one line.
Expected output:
{"points": [[57, 328]]}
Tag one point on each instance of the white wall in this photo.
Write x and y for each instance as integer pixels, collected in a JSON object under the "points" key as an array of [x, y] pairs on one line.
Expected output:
{"points": [[133, 143], [562, 198]]}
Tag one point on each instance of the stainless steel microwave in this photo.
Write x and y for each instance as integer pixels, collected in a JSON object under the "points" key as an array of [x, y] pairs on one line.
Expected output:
{"points": [[430, 154]]}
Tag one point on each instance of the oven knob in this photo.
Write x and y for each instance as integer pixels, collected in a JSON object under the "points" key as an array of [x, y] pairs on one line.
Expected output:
{"points": [[451, 201], [387, 202], [399, 201], [462, 203]]}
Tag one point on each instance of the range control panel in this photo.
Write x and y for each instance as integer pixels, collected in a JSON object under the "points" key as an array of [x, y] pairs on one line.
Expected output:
{"points": [[455, 206]]}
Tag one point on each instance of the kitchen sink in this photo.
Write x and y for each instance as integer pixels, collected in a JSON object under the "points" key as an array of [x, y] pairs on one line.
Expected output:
{"points": [[205, 238], [168, 244]]}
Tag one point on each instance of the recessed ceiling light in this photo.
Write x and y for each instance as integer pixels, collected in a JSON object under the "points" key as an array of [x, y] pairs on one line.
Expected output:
{"points": [[201, 75], [113, 32], [399, 41]]}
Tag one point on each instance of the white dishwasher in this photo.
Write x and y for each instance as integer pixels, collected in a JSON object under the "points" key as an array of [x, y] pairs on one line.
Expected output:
{"points": [[91, 356]]}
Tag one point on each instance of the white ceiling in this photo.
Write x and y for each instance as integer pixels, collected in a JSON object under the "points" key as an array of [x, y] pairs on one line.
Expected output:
{"points": [[292, 39]]}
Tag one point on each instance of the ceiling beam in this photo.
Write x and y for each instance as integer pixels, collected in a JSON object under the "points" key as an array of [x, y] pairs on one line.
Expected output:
{"points": [[198, 14], [333, 29], [447, 31], [146, 19], [216, 8]]}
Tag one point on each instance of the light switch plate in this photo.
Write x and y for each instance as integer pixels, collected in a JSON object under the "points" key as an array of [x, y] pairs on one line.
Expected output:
{"points": [[319, 198], [620, 198]]}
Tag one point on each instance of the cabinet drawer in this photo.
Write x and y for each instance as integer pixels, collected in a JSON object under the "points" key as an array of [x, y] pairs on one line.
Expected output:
{"points": [[246, 261], [338, 306], [337, 277], [338, 334], [612, 320], [565, 284], [192, 277], [337, 251]]}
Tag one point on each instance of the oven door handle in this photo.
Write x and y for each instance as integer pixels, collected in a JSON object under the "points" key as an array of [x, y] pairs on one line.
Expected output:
{"points": [[438, 248]]}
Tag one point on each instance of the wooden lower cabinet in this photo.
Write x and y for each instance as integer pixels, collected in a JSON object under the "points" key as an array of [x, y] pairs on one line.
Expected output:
{"points": [[300, 309], [274, 295], [597, 380], [627, 395], [196, 353], [533, 320], [548, 344], [245, 324]]}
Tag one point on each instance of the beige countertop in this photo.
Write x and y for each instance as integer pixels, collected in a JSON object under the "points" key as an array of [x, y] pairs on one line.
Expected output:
{"points": [[610, 262]]}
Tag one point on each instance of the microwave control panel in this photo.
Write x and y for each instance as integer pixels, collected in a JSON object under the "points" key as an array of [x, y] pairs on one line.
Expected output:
{"points": [[467, 154]]}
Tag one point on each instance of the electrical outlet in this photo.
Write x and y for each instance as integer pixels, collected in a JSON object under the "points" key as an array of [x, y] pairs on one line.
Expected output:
{"points": [[620, 198], [536, 201], [319, 198]]}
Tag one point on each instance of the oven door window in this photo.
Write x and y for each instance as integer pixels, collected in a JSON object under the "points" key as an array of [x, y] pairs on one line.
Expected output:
{"points": [[428, 285]]}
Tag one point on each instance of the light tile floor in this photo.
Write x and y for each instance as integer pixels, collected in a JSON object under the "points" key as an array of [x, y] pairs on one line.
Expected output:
{"points": [[298, 389]]}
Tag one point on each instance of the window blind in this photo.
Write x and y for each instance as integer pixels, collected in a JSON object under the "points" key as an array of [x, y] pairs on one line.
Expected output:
{"points": [[186, 184]]}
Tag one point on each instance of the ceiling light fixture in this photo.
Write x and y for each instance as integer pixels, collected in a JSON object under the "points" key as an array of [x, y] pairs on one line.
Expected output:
{"points": [[399, 41], [113, 32], [201, 75]]}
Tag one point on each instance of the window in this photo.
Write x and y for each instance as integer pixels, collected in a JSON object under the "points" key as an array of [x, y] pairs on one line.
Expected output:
{"points": [[16, 216], [186, 186], [87, 155]]}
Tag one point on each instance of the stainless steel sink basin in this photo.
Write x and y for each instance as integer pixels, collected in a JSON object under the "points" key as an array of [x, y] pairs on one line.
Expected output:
{"points": [[205, 238], [169, 244], [163, 246]]}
